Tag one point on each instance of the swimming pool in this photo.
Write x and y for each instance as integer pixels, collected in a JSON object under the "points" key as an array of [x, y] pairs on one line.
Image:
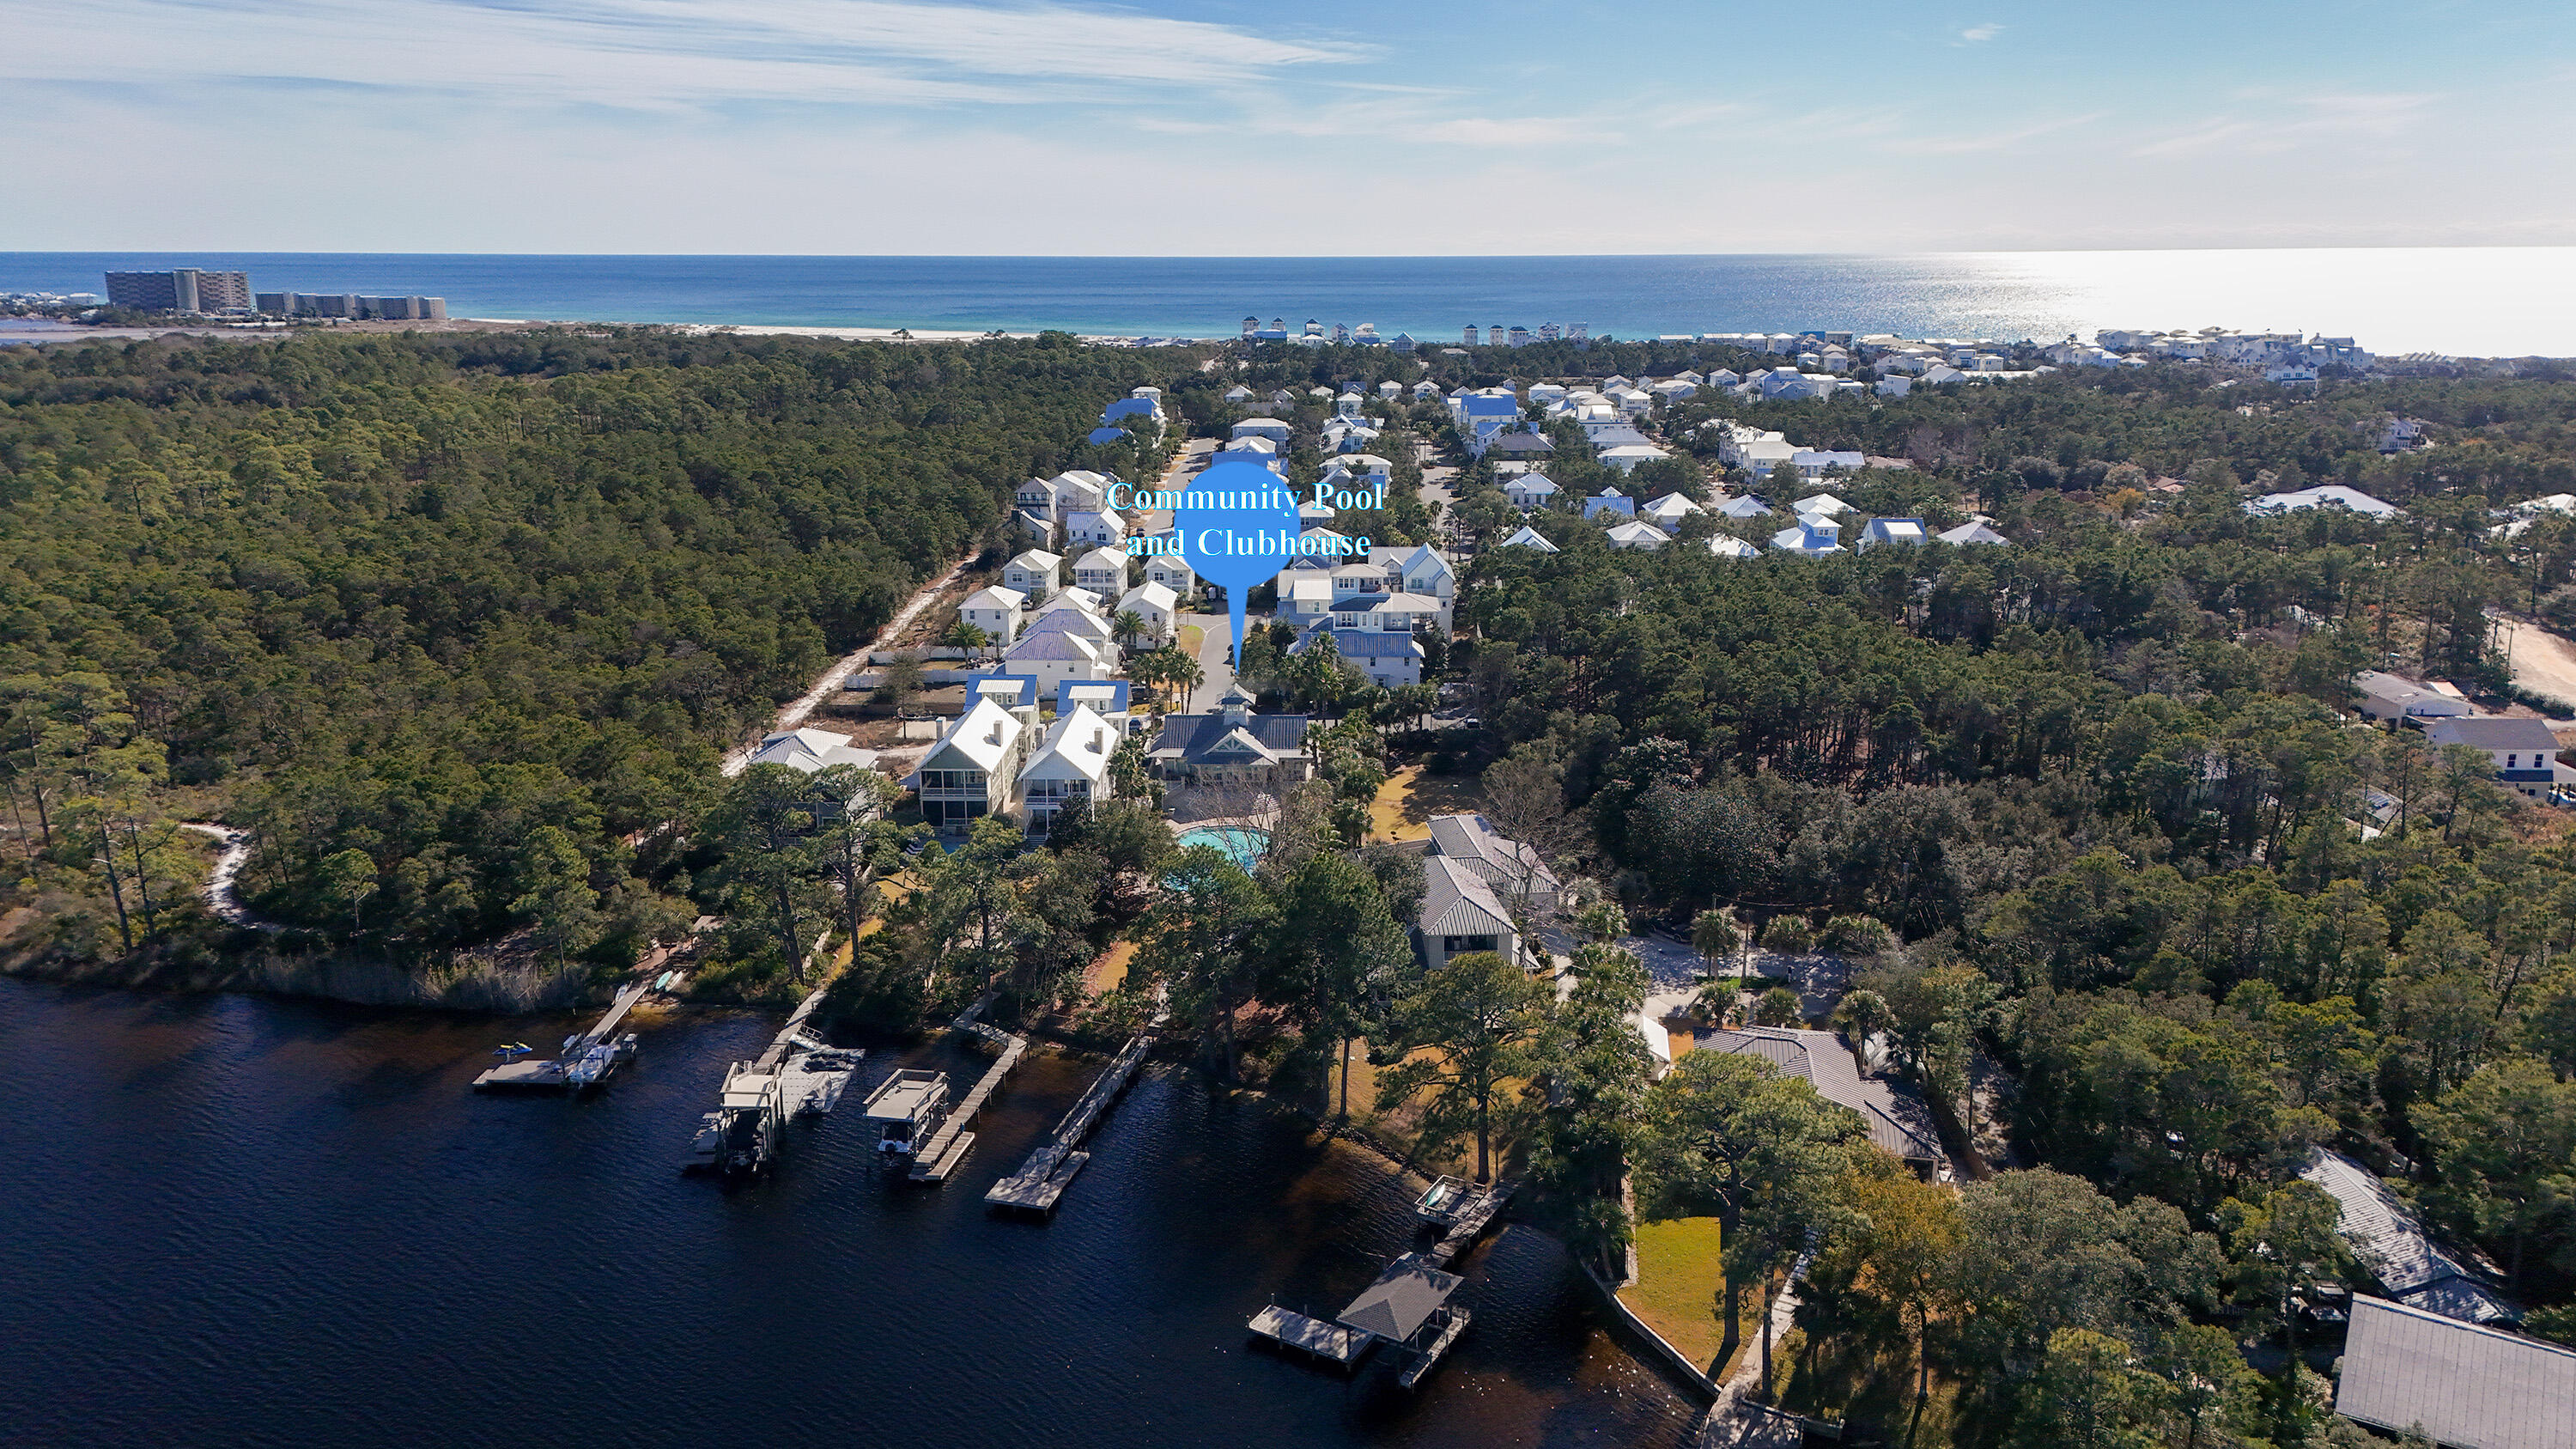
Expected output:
{"points": [[1244, 843]]}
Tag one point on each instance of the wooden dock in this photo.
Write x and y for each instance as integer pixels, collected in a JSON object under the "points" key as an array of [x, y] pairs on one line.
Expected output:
{"points": [[1041, 1180], [947, 1147], [1429, 1354], [1327, 1341], [587, 1059], [1470, 1224]]}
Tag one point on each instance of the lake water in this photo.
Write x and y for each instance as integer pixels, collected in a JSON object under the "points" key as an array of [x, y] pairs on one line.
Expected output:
{"points": [[2493, 301], [247, 1222]]}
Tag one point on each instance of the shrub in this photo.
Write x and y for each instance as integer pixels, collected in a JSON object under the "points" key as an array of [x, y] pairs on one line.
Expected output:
{"points": [[1788, 935]]}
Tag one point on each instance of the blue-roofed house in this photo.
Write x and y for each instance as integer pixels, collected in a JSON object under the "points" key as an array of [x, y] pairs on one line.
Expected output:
{"points": [[1610, 500], [1390, 658]]}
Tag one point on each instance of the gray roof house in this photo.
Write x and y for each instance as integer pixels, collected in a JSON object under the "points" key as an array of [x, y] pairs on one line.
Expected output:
{"points": [[1900, 1125], [2388, 1241], [2470, 1387], [2390, 697], [1460, 913], [1232, 746], [1510, 867]]}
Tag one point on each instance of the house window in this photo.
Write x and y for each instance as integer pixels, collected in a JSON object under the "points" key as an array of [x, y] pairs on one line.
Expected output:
{"points": [[2511, 760]]}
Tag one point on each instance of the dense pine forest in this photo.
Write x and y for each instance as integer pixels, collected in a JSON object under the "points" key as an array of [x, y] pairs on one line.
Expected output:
{"points": [[424, 597]]}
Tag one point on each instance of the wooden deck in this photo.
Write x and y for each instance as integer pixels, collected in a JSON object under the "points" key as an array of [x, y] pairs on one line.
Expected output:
{"points": [[938, 1157], [1049, 1170], [536, 1074], [1471, 1223], [1327, 1341], [1429, 1354]]}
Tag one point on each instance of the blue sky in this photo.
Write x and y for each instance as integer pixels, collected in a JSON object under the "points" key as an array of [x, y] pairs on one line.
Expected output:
{"points": [[1507, 126]]}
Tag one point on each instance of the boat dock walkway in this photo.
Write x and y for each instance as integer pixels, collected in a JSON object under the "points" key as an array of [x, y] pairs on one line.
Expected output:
{"points": [[1470, 1224], [1328, 1341], [587, 1059], [948, 1146], [1042, 1179], [798, 1074]]}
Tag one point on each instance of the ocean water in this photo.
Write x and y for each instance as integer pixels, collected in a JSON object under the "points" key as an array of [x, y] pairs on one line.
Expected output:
{"points": [[2494, 301]]}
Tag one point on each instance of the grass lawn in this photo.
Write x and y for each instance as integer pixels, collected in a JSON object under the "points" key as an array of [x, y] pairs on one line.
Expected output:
{"points": [[1678, 1277], [1191, 637], [1104, 975]]}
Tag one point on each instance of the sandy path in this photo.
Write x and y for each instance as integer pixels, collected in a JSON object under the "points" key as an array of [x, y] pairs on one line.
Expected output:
{"points": [[2543, 663], [739, 759]]}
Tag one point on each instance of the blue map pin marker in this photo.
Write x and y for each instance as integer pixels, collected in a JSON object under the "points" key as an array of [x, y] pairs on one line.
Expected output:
{"points": [[1242, 532]]}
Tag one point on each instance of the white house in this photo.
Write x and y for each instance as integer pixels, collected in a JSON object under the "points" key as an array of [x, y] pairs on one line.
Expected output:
{"points": [[1238, 394], [1103, 571], [1275, 430], [1812, 462], [1973, 532], [1668, 512], [1762, 455], [1305, 595], [1530, 490], [1747, 506], [1895, 386], [1636, 534], [1071, 762], [1172, 572], [1814, 537], [1052, 655], [1102, 529], [1823, 504], [1726, 547], [2331, 495], [1032, 574], [996, 611], [974, 770], [1892, 530], [1157, 605], [811, 751], [1424, 571], [2524, 751], [1528, 537]]}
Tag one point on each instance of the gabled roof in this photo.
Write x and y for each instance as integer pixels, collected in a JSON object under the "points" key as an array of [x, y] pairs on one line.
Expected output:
{"points": [[2493, 732], [1152, 595], [1747, 506], [1528, 537], [1104, 557], [1825, 503], [1725, 547], [809, 750], [983, 736], [1477, 405], [2331, 495], [1900, 1126], [1538, 483], [2464, 1384], [1456, 901], [995, 597], [1036, 561], [1972, 533], [1473, 841], [1192, 737], [2388, 1240], [1054, 645], [1078, 744], [1638, 534], [1362, 643]]}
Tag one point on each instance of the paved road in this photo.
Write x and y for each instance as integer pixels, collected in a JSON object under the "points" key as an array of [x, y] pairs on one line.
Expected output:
{"points": [[1216, 676]]}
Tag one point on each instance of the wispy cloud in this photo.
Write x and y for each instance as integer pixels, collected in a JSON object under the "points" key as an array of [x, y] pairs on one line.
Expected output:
{"points": [[1957, 145], [2289, 124], [648, 52], [1978, 34]]}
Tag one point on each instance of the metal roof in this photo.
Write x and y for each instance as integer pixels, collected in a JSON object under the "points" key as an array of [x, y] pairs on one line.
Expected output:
{"points": [[2470, 1387], [1457, 902]]}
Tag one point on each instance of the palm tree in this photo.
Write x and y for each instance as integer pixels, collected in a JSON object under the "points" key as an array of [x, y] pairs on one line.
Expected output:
{"points": [[1129, 626], [969, 637]]}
